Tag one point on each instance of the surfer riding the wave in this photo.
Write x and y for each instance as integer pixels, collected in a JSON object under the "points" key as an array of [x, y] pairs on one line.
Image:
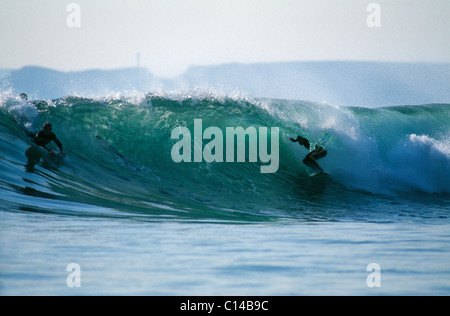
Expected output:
{"points": [[45, 136], [311, 158], [41, 140]]}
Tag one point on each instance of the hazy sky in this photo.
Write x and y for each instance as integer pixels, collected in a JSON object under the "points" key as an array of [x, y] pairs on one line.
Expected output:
{"points": [[170, 35]]}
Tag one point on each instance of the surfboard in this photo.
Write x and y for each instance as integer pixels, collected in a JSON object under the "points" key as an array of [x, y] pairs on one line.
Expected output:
{"points": [[56, 159], [60, 156], [318, 173]]}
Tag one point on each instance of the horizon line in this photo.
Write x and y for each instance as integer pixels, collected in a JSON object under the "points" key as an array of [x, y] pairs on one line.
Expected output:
{"points": [[7, 69]]}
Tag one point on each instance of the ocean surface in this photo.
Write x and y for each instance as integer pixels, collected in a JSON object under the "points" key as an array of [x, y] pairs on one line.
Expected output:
{"points": [[137, 223]]}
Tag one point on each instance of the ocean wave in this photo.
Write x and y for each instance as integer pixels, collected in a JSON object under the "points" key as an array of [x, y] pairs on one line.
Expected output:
{"points": [[119, 153]]}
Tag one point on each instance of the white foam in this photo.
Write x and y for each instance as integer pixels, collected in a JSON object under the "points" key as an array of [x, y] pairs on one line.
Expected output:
{"points": [[21, 110], [421, 162]]}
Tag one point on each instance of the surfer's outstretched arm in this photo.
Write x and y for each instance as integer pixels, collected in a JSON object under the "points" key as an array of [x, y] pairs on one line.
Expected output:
{"points": [[59, 144], [302, 141]]}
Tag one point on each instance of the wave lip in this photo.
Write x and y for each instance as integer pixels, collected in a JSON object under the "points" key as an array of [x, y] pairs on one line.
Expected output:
{"points": [[422, 163]]}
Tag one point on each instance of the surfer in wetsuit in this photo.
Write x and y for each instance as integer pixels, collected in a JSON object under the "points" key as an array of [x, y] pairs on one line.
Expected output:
{"points": [[44, 137], [41, 140], [311, 158]]}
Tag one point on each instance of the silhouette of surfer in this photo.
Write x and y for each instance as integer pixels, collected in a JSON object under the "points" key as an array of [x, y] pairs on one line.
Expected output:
{"points": [[311, 158], [41, 140]]}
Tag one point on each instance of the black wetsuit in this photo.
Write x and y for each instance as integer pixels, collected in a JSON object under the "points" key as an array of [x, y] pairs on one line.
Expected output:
{"points": [[318, 153], [42, 139]]}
